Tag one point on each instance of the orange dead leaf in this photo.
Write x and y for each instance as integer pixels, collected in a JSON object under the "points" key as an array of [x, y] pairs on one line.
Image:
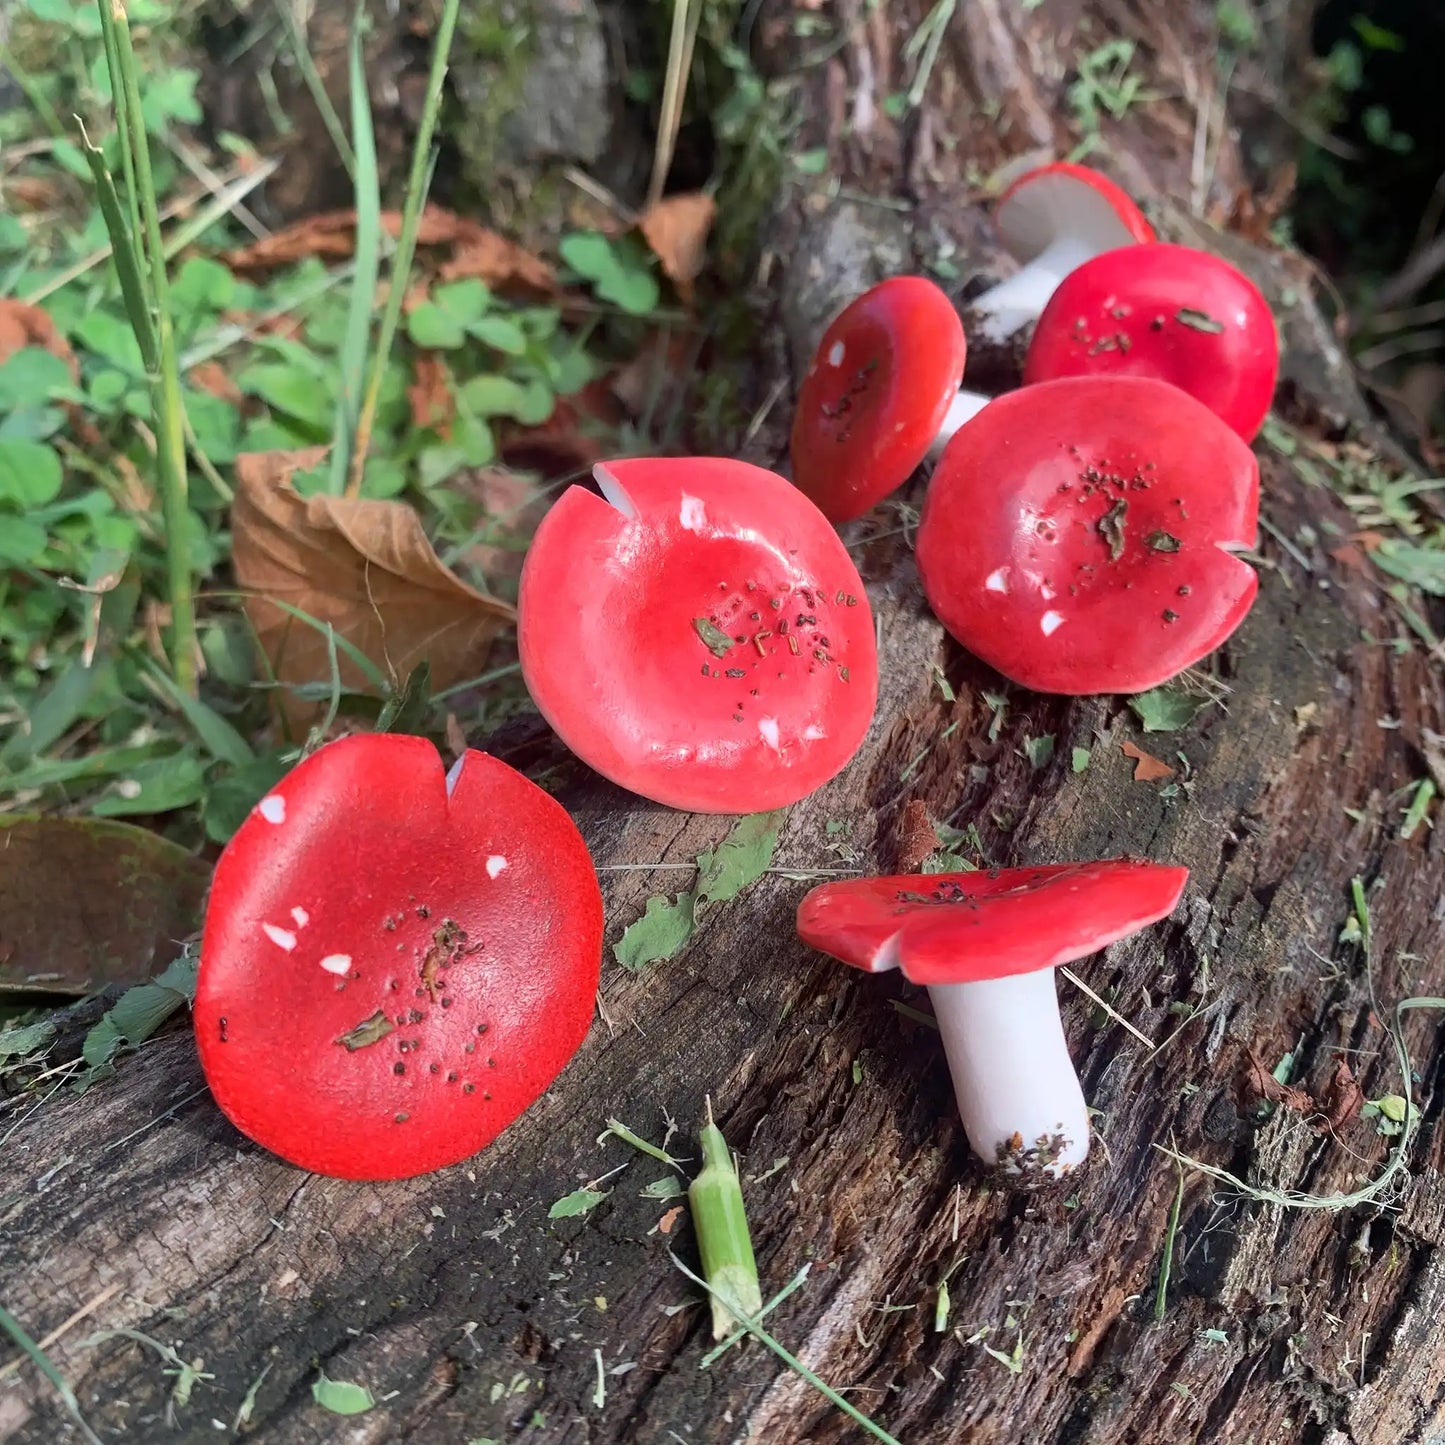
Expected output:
{"points": [[1370, 541], [916, 839], [430, 394], [364, 567], [212, 377], [1349, 555], [677, 229], [1147, 768], [22, 325], [664, 1225], [332, 236]]}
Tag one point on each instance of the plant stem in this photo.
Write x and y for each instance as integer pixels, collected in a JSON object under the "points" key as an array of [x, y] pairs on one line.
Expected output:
{"points": [[723, 1241], [423, 162], [165, 378]]}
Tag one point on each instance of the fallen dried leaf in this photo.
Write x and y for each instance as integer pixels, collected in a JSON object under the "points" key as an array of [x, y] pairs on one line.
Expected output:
{"points": [[664, 1225], [916, 838], [1370, 541], [655, 381], [1349, 555], [331, 236], [1260, 1083], [365, 567], [433, 403], [1147, 768], [212, 377], [513, 506], [22, 325], [677, 229], [1342, 1101]]}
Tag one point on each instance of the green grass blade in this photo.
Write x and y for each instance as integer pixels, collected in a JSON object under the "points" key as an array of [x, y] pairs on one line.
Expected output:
{"points": [[217, 736], [301, 53], [423, 163], [41, 1361], [121, 103], [357, 342]]}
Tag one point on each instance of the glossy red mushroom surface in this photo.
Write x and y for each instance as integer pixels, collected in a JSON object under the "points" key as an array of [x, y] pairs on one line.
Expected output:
{"points": [[391, 973], [875, 395], [1077, 534], [1065, 198], [706, 642], [1171, 312], [947, 928]]}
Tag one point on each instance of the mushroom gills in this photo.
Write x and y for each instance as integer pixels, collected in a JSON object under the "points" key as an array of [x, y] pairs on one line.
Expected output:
{"points": [[1017, 1091], [1004, 309]]}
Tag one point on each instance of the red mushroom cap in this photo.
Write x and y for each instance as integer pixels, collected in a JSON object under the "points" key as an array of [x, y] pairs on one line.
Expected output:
{"points": [[1171, 312], [1067, 199], [944, 928], [705, 642], [875, 395], [394, 968], [1077, 534]]}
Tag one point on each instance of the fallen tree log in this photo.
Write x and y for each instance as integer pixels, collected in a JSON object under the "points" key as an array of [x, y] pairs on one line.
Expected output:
{"points": [[1144, 1301]]}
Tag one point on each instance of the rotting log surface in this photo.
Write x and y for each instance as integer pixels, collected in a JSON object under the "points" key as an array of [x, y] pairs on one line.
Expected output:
{"points": [[471, 1316]]}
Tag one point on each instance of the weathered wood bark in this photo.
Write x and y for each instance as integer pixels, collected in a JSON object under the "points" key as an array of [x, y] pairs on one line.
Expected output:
{"points": [[471, 1316]]}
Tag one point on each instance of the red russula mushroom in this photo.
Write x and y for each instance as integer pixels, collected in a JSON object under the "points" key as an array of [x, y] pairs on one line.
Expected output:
{"points": [[700, 637], [396, 961], [882, 390], [1077, 535], [1051, 220], [1170, 312], [986, 945]]}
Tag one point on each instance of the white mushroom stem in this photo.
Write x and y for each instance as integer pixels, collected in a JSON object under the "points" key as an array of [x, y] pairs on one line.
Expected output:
{"points": [[1012, 304], [1015, 1083], [964, 407]]}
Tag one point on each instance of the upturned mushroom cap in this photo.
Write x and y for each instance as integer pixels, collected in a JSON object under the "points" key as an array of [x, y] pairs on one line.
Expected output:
{"points": [[704, 640], [1078, 534], [1171, 312], [1064, 199], [875, 395], [947, 928], [392, 968]]}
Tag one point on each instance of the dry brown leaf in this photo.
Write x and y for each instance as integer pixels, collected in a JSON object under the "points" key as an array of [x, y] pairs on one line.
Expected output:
{"points": [[365, 567], [1147, 768], [677, 229], [430, 394], [1342, 1101], [664, 1225], [655, 381], [22, 325], [212, 377], [477, 251], [916, 839], [1260, 1083], [514, 507]]}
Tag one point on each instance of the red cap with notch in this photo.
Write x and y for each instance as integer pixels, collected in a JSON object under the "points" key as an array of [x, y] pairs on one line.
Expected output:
{"points": [[875, 395], [1077, 535], [702, 637], [947, 928], [396, 963], [1171, 312]]}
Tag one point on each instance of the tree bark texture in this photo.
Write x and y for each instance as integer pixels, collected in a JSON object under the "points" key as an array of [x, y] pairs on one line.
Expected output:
{"points": [[472, 1316]]}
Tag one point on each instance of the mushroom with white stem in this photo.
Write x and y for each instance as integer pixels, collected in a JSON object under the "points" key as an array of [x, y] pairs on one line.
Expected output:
{"points": [[986, 944], [1051, 220]]}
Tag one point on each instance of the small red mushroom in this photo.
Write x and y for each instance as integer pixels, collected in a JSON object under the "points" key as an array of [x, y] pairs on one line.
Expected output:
{"points": [[1077, 535], [1170, 312], [397, 961], [986, 945], [1051, 220], [881, 392], [700, 637]]}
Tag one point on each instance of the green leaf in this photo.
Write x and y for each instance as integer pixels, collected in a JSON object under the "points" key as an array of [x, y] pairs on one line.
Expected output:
{"points": [[230, 798], [202, 285], [1081, 758], [1039, 751], [500, 334], [217, 736], [1166, 709], [740, 859], [384, 478], [580, 1201], [158, 786], [463, 301], [670, 1188], [433, 328], [438, 464], [473, 438], [217, 425], [170, 95], [290, 389], [22, 542], [635, 292], [589, 254], [341, 1397], [661, 933], [52, 714], [1422, 567], [112, 338], [16, 1042], [30, 473], [31, 377]]}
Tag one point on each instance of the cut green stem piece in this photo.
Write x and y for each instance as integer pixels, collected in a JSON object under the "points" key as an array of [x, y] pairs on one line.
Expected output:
{"points": [[721, 1222]]}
